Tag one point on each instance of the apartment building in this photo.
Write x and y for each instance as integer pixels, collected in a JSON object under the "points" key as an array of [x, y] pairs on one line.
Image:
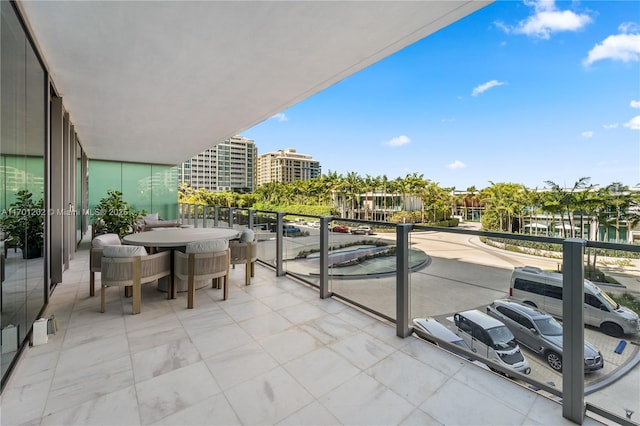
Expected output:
{"points": [[227, 166], [286, 165]]}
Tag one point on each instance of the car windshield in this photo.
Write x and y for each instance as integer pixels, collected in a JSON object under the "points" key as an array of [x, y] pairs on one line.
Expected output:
{"points": [[502, 338], [549, 326]]}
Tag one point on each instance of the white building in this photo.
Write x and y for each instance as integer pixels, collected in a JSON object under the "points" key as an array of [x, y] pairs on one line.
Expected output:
{"points": [[227, 166]]}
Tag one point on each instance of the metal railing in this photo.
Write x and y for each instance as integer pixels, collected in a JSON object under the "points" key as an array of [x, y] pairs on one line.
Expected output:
{"points": [[573, 250]]}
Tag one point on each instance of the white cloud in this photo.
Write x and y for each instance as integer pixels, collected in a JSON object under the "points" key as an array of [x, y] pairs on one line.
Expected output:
{"points": [[447, 120], [619, 47], [280, 117], [486, 86], [457, 165], [547, 19], [398, 141], [634, 104], [610, 126], [587, 134], [634, 123]]}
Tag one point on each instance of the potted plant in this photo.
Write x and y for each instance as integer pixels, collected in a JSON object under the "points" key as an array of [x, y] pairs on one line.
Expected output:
{"points": [[24, 223], [115, 216]]}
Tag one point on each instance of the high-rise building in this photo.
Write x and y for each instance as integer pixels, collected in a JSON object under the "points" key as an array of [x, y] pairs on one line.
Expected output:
{"points": [[227, 166], [286, 165]]}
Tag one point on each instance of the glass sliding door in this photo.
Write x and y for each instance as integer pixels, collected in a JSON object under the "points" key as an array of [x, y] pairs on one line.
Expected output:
{"points": [[22, 149]]}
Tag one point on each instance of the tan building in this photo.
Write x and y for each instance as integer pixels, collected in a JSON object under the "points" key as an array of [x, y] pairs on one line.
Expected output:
{"points": [[227, 166], [286, 165]]}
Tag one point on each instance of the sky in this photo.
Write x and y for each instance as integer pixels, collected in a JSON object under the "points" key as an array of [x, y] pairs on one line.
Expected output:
{"points": [[522, 92]]}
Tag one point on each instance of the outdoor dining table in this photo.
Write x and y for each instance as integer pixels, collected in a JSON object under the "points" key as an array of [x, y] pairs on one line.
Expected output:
{"points": [[176, 238]]}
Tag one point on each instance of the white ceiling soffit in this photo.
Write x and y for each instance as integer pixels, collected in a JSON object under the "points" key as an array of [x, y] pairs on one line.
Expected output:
{"points": [[158, 82]]}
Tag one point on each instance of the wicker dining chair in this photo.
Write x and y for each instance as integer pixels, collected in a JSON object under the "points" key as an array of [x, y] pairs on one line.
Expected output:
{"points": [[202, 260], [95, 256], [245, 252], [131, 266]]}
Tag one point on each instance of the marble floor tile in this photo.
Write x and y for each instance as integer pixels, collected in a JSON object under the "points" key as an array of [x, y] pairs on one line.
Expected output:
{"points": [[456, 403], [266, 325], [174, 391], [290, 344], [119, 408], [365, 401], [162, 359], [268, 398], [408, 377], [240, 364], [313, 414], [321, 370], [213, 411], [362, 350]]}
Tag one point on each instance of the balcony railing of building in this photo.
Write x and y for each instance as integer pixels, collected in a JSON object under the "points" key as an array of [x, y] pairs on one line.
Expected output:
{"points": [[398, 272]]}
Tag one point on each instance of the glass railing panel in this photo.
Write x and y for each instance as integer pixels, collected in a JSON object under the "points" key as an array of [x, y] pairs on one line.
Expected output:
{"points": [[362, 264], [264, 226], [611, 313], [302, 248], [223, 217], [240, 218], [467, 274]]}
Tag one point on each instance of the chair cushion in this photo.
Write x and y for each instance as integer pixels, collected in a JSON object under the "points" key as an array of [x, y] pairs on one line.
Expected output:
{"points": [[246, 236], [123, 251], [207, 246], [105, 240]]}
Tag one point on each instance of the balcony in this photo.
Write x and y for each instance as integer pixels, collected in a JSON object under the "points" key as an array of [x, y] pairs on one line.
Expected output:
{"points": [[273, 353]]}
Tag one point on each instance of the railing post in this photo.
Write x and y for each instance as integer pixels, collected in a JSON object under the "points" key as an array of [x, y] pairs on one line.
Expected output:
{"points": [[573, 325], [279, 244], [231, 213], [216, 213], [204, 215], [196, 207], [251, 214], [324, 257], [402, 280]]}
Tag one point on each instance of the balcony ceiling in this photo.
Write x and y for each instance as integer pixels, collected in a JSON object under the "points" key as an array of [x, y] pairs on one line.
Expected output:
{"points": [[159, 82]]}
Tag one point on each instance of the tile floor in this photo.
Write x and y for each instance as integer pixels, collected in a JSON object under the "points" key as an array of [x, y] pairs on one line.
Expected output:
{"points": [[274, 353]]}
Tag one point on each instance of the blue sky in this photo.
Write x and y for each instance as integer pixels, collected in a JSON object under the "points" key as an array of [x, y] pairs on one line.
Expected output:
{"points": [[520, 92]]}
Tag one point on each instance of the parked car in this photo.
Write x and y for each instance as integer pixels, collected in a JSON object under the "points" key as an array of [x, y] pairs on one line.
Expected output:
{"points": [[540, 332], [314, 224], [489, 337], [426, 328], [290, 229], [340, 228], [362, 230], [542, 289]]}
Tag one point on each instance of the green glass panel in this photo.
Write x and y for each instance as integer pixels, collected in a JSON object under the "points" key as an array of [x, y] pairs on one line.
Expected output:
{"points": [[136, 186], [104, 176], [165, 191]]}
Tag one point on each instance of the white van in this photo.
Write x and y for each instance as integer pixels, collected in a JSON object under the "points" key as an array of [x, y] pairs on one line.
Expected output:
{"points": [[490, 338], [543, 290]]}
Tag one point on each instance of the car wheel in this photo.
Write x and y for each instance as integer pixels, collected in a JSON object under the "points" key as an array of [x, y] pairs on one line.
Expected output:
{"points": [[611, 329], [527, 302], [554, 360]]}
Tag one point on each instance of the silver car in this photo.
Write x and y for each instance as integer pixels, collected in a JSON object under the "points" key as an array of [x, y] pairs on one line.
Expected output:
{"points": [[540, 332], [426, 328]]}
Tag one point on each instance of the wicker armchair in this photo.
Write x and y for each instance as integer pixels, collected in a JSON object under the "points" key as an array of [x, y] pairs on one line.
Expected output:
{"points": [[202, 260], [244, 252], [95, 256], [130, 266]]}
